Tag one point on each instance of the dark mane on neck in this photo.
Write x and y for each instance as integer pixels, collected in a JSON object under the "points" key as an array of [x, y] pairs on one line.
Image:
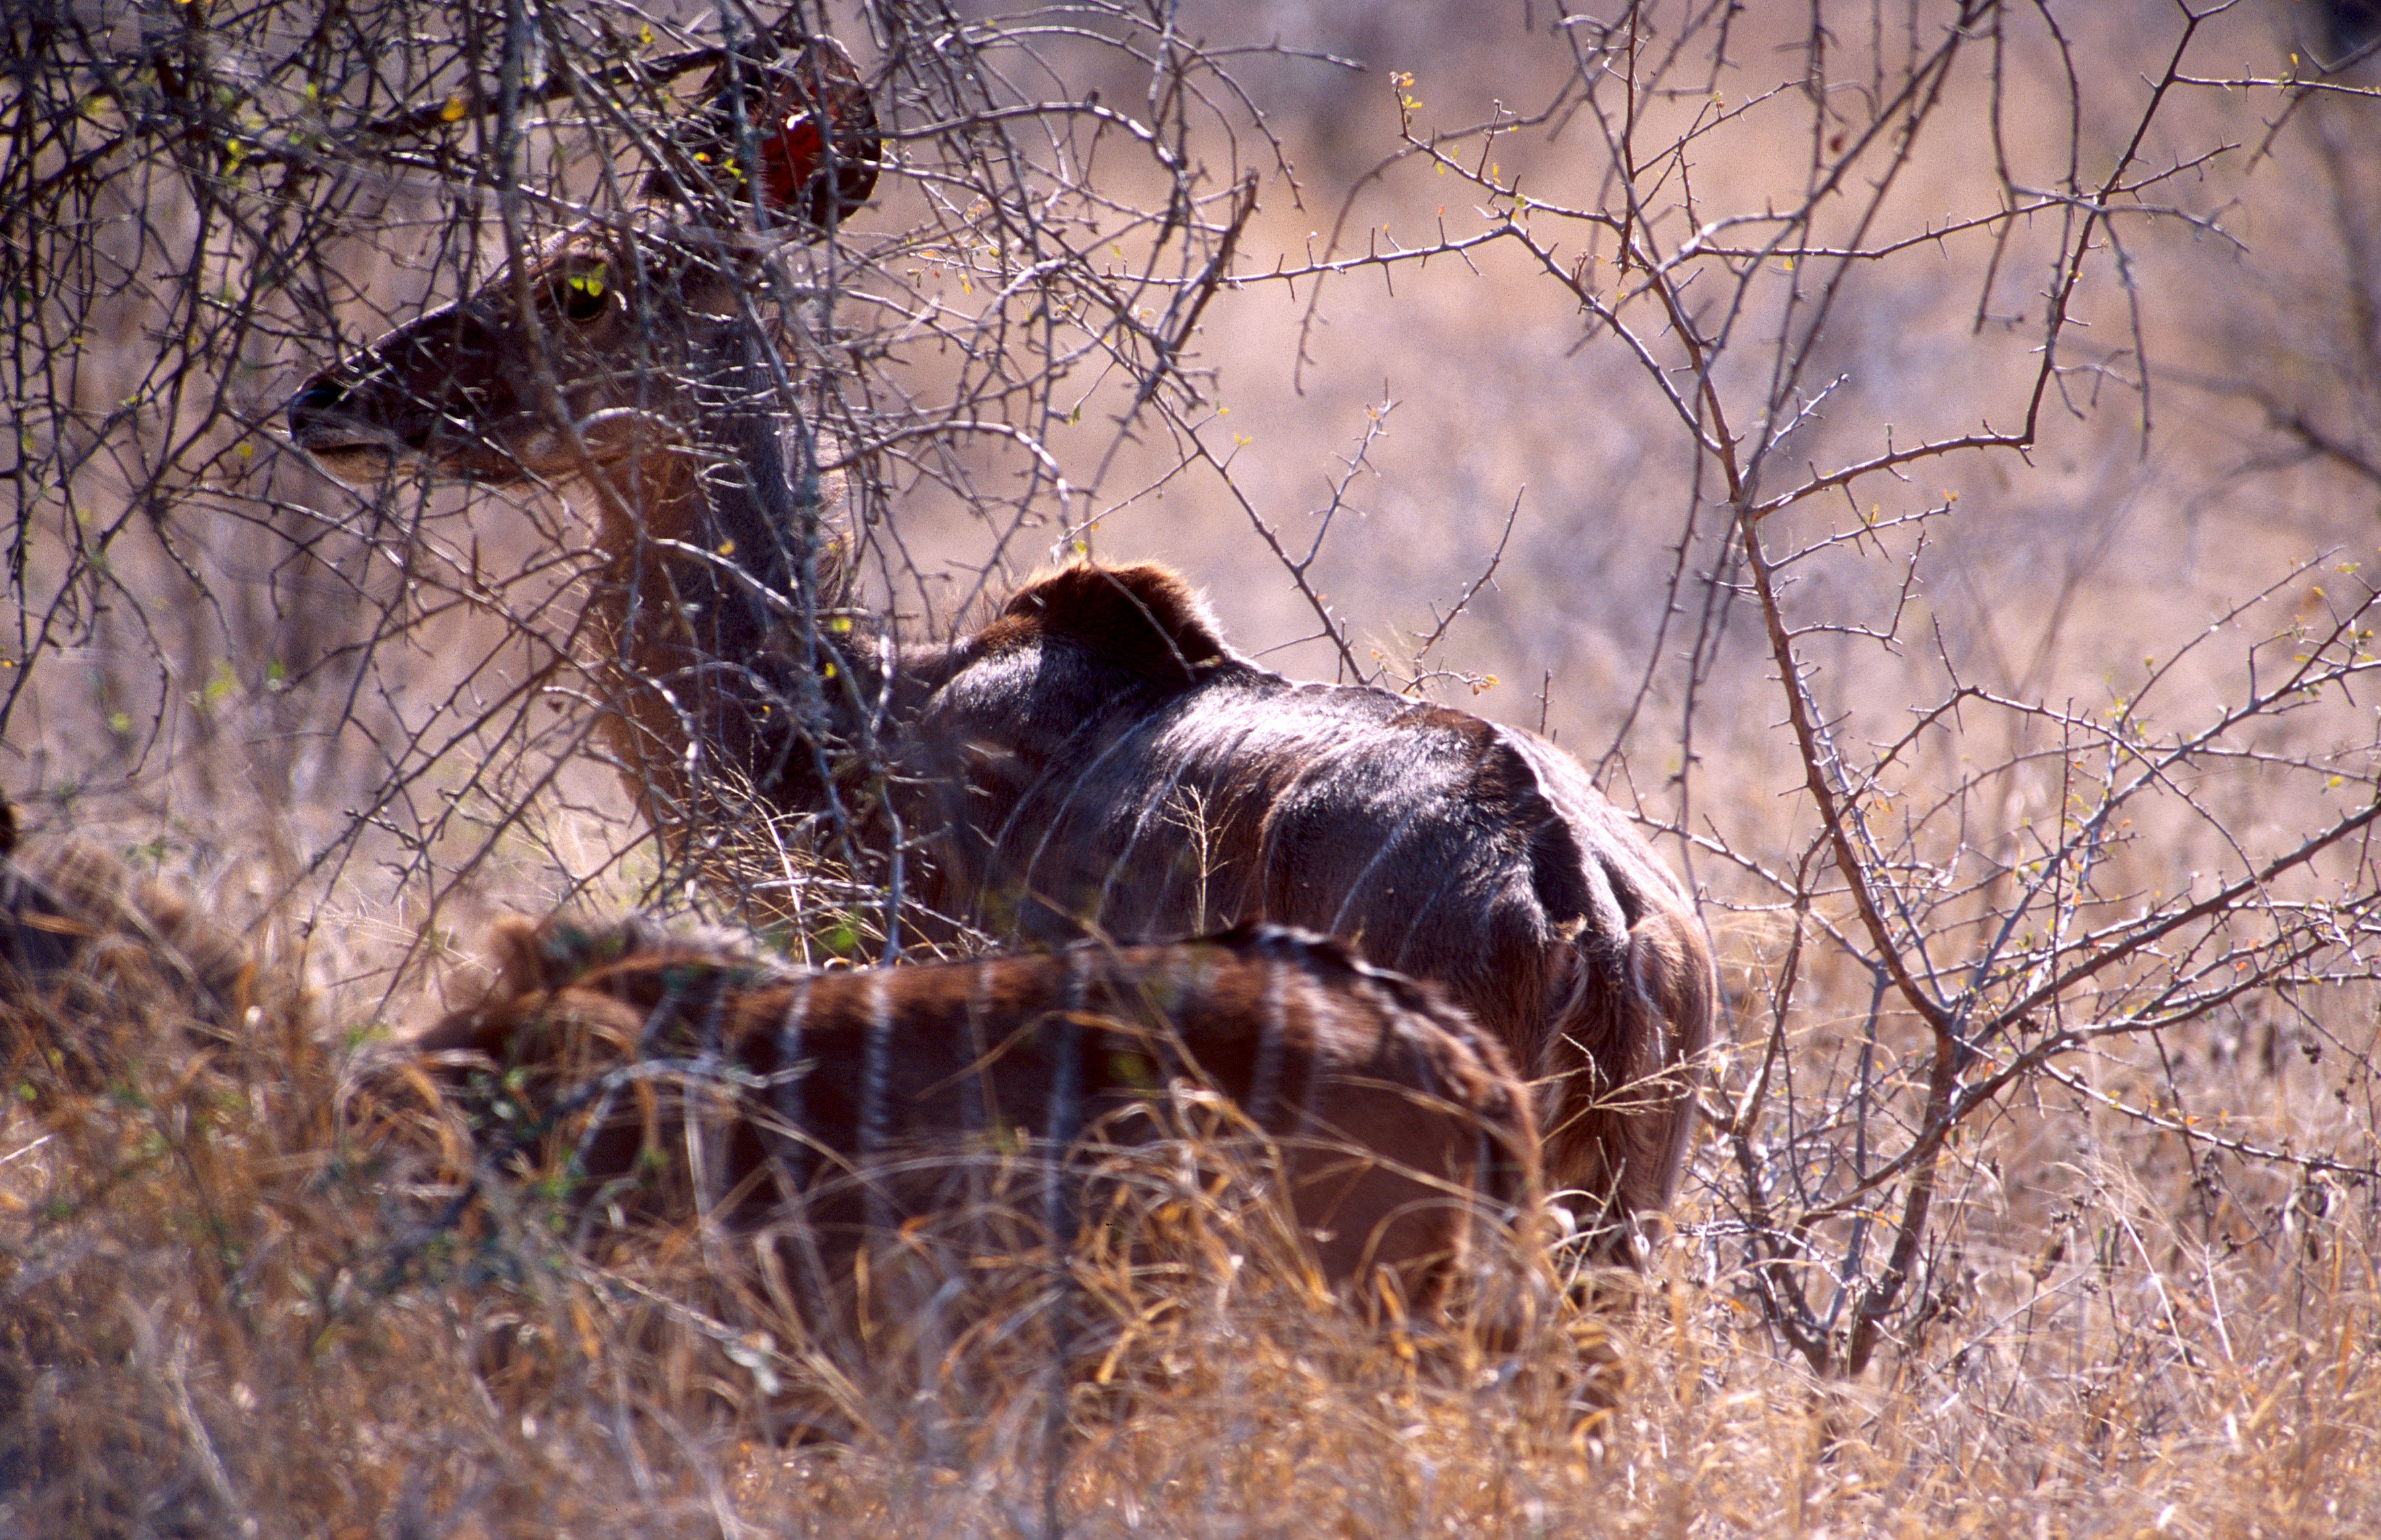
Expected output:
{"points": [[1142, 618]]}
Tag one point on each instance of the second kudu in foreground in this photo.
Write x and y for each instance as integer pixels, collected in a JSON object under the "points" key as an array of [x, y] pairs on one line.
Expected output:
{"points": [[1094, 761], [876, 1142]]}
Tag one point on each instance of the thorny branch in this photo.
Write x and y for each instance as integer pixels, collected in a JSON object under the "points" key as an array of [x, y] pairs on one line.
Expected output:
{"points": [[2014, 951]]}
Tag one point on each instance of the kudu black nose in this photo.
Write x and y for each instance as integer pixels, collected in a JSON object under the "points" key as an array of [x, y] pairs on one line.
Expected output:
{"points": [[316, 400]]}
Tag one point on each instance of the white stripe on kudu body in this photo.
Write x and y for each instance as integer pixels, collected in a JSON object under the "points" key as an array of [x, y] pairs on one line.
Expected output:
{"points": [[877, 1094], [785, 1085]]}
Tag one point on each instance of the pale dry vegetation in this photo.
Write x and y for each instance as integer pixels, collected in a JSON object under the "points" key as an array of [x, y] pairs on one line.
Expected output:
{"points": [[1924, 456]]}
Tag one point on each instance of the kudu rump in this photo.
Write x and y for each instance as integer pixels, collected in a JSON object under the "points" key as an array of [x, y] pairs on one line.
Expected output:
{"points": [[955, 1118], [1096, 760]]}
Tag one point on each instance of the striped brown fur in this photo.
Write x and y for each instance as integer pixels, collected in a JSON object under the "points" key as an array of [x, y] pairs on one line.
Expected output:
{"points": [[1097, 758], [834, 1113]]}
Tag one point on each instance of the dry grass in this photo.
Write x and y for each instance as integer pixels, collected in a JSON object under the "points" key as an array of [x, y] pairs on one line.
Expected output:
{"points": [[247, 1282], [241, 1301]]}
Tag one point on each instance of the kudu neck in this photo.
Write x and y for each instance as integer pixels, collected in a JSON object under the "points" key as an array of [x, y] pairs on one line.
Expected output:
{"points": [[722, 572], [725, 491]]}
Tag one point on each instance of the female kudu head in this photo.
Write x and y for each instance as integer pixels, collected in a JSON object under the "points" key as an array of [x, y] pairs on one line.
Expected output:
{"points": [[641, 359]]}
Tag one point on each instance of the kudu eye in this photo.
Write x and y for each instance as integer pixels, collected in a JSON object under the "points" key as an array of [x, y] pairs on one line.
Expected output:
{"points": [[582, 296]]}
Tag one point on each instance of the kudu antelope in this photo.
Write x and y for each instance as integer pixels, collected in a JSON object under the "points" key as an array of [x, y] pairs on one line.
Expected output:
{"points": [[1096, 760], [110, 980], [633, 356], [953, 1118]]}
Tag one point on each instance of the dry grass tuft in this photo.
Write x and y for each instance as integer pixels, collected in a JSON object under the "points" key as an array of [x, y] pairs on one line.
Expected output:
{"points": [[244, 1296]]}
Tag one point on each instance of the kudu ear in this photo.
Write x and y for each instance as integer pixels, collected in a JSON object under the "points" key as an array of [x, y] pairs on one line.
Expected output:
{"points": [[808, 148]]}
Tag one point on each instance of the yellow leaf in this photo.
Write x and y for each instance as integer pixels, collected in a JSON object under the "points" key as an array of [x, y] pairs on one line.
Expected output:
{"points": [[589, 1343]]}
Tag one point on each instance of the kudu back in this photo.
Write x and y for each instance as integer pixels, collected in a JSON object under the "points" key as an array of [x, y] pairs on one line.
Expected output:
{"points": [[941, 1122], [1098, 758], [1094, 761]]}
